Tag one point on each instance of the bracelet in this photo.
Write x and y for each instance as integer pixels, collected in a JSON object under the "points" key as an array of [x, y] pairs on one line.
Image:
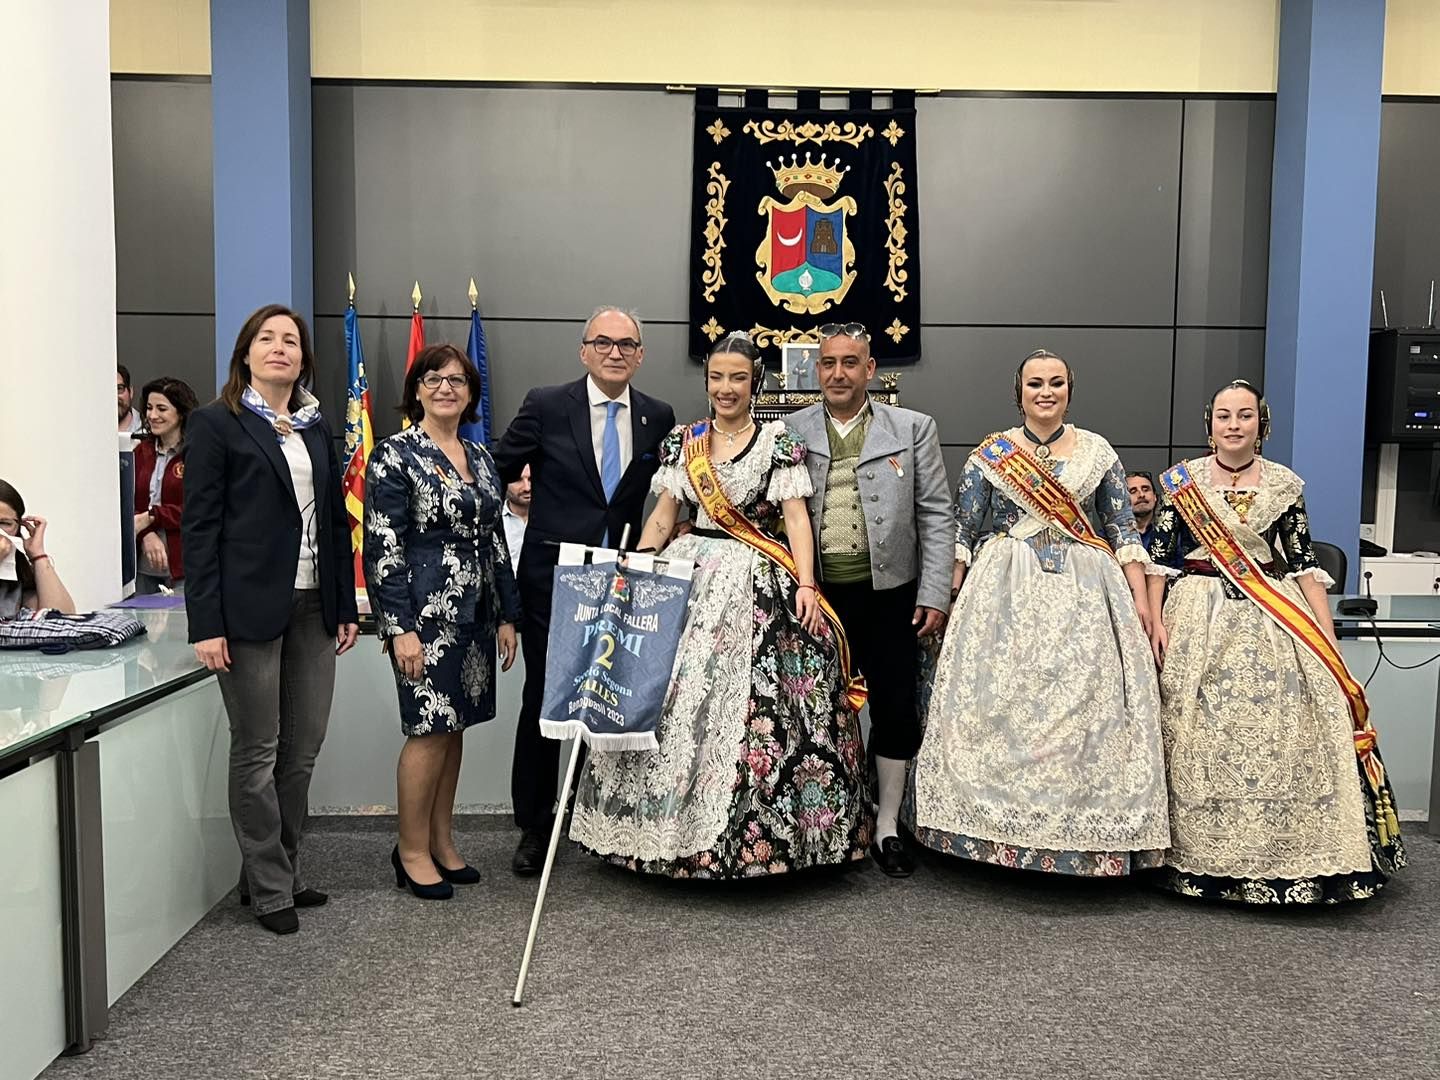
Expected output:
{"points": [[799, 587], [36, 558]]}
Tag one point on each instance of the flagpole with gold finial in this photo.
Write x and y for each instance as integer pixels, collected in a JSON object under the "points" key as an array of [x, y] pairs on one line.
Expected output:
{"points": [[474, 295], [350, 282], [416, 297]]}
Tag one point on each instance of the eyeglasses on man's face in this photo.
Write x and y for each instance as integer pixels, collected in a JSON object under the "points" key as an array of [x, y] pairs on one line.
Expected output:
{"points": [[431, 381], [850, 329], [603, 345]]}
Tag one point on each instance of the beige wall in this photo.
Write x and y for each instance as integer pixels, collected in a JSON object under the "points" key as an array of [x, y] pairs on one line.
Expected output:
{"points": [[1156, 45], [1412, 47], [1177, 46]]}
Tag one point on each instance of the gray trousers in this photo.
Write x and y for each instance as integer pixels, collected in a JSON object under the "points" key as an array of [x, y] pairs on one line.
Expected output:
{"points": [[277, 694]]}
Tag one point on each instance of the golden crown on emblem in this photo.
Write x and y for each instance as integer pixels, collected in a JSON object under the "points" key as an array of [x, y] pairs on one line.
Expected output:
{"points": [[816, 177]]}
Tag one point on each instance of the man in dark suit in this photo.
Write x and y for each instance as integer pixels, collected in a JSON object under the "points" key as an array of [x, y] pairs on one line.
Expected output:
{"points": [[592, 446]]}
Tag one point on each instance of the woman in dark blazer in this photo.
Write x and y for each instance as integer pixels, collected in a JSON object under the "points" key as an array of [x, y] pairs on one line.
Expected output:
{"points": [[268, 591], [443, 593], [160, 484]]}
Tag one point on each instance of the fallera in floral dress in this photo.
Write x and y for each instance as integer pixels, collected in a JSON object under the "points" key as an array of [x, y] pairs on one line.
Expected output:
{"points": [[760, 768]]}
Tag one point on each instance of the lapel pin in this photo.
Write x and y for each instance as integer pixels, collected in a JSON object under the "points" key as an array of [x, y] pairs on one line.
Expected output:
{"points": [[644, 420], [895, 464]]}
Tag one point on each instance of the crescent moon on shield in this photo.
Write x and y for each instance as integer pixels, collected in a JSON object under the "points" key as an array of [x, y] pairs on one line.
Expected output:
{"points": [[790, 241]]}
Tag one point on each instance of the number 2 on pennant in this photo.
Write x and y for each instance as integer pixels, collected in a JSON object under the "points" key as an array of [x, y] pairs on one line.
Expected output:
{"points": [[604, 659]]}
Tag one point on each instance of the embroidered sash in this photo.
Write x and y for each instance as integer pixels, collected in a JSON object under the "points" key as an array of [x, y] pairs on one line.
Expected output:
{"points": [[736, 525], [1296, 620], [1039, 490]]}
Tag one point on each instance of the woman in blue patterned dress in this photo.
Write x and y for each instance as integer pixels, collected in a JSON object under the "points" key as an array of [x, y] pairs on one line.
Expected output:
{"points": [[760, 768], [443, 593], [1042, 746]]}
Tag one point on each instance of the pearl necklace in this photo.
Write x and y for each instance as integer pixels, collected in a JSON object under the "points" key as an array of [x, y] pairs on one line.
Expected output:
{"points": [[731, 436]]}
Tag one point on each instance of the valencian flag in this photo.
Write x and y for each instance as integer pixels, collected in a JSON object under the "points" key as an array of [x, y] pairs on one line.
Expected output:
{"points": [[801, 217], [359, 439], [482, 431], [614, 633]]}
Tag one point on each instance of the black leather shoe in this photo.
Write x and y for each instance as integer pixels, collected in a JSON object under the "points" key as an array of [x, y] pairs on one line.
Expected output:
{"points": [[284, 921], [441, 890], [890, 853], [466, 875], [529, 854]]}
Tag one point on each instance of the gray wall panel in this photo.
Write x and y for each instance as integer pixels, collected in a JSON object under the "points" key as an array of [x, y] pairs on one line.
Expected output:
{"points": [[164, 207], [1407, 228], [521, 355], [967, 376], [1206, 360], [555, 200], [181, 346], [1225, 213], [1149, 458], [1046, 211]]}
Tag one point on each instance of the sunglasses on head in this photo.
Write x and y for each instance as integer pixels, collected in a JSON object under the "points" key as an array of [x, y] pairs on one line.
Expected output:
{"points": [[850, 329]]}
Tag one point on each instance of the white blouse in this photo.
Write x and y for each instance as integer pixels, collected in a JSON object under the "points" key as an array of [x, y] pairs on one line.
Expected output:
{"points": [[302, 475]]}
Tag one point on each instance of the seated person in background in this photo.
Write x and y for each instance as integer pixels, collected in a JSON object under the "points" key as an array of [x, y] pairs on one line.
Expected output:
{"points": [[1142, 501], [160, 485], [27, 575]]}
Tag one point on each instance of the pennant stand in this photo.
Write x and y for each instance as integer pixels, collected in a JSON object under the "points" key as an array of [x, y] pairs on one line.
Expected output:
{"points": [[555, 831]]}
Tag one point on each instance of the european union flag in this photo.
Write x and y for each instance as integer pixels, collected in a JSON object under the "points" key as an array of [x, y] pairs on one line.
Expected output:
{"points": [[475, 350]]}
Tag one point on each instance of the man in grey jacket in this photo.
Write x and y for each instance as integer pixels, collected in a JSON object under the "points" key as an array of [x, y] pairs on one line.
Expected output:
{"points": [[885, 537]]}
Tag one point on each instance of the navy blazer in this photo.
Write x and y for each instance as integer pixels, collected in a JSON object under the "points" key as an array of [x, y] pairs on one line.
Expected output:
{"points": [[241, 528], [435, 545], [551, 434]]}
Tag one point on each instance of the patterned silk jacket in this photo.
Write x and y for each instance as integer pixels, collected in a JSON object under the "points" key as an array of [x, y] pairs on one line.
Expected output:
{"points": [[434, 545]]}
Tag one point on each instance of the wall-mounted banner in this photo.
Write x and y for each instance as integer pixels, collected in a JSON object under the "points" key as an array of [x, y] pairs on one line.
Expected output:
{"points": [[614, 633], [801, 217]]}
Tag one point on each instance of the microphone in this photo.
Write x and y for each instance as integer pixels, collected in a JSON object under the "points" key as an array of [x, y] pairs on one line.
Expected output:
{"points": [[1360, 605]]}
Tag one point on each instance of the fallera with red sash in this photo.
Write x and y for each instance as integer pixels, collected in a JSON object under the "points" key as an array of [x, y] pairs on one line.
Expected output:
{"points": [[1240, 570], [1039, 490], [736, 525]]}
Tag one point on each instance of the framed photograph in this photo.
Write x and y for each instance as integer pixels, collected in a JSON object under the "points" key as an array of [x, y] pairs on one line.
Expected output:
{"points": [[798, 366]]}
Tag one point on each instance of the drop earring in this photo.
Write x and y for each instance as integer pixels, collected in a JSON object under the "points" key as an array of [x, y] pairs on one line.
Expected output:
{"points": [[1211, 440], [1258, 444]]}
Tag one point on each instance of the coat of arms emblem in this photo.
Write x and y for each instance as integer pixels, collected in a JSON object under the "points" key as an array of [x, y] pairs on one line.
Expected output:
{"points": [[806, 258]]}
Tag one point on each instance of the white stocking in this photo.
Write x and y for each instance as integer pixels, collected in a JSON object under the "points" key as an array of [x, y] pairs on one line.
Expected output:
{"points": [[891, 772]]}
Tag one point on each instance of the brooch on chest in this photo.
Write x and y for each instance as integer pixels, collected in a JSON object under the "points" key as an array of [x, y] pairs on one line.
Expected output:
{"points": [[1240, 502]]}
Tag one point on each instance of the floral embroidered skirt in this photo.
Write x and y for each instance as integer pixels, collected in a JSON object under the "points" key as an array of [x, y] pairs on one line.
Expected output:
{"points": [[1268, 804], [1042, 742], [760, 768], [456, 687]]}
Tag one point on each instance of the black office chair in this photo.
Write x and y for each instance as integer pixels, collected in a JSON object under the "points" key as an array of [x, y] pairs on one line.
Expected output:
{"points": [[1333, 562]]}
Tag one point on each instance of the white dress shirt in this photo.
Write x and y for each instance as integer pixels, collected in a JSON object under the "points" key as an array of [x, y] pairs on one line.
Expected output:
{"points": [[598, 401], [844, 427], [514, 534]]}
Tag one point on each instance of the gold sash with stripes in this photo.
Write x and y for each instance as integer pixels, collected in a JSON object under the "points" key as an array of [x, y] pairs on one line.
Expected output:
{"points": [[1039, 490]]}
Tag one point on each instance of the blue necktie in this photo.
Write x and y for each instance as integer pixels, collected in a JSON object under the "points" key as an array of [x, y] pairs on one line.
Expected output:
{"points": [[610, 457], [610, 452]]}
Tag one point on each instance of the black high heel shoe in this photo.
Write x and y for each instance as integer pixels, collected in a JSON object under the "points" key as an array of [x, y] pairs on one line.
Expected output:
{"points": [[441, 890], [466, 875]]}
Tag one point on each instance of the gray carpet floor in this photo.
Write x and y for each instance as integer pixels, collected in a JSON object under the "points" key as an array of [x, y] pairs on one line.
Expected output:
{"points": [[960, 971]]}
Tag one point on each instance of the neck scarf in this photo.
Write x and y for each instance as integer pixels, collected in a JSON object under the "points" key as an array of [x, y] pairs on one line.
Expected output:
{"points": [[306, 416]]}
